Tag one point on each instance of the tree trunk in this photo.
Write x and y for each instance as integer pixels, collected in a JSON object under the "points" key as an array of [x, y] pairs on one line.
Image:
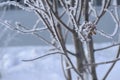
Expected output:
{"points": [[91, 58], [80, 54], [68, 71]]}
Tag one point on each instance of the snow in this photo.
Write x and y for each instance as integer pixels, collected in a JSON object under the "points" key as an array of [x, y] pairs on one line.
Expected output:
{"points": [[13, 68], [106, 55]]}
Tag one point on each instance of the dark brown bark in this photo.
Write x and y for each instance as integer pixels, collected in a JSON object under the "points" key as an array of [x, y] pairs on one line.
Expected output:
{"points": [[79, 53], [91, 58]]}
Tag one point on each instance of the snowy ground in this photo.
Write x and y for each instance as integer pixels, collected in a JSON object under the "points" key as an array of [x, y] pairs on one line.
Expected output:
{"points": [[48, 68], [14, 69]]}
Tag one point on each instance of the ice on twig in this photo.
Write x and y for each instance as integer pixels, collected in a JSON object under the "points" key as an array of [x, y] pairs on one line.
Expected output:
{"points": [[14, 3]]}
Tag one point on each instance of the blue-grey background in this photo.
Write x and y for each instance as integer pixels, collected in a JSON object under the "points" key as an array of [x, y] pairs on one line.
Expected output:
{"points": [[13, 38]]}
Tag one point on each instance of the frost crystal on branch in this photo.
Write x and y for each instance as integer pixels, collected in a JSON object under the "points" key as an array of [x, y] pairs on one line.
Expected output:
{"points": [[16, 4], [87, 29]]}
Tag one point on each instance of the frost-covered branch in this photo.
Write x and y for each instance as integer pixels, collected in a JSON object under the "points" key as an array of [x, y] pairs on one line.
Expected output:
{"points": [[115, 19], [105, 5], [104, 34], [34, 33], [58, 19], [92, 9], [23, 30], [7, 24], [14, 3]]}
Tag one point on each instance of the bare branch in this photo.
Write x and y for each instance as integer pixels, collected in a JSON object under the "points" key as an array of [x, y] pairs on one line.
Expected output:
{"points": [[103, 48], [113, 64], [43, 56], [66, 36], [69, 52], [73, 67], [76, 9], [80, 11], [62, 4], [58, 19], [62, 64], [102, 63], [63, 13]]}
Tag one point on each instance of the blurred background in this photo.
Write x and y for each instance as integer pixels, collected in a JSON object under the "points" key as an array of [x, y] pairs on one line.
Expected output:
{"points": [[14, 14]]}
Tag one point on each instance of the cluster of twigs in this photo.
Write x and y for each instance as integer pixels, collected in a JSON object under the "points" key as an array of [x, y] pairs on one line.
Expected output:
{"points": [[79, 26]]}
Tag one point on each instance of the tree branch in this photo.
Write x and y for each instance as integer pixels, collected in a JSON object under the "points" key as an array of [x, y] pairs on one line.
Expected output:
{"points": [[102, 63], [16, 4], [43, 56], [110, 69], [58, 19], [105, 5], [103, 48]]}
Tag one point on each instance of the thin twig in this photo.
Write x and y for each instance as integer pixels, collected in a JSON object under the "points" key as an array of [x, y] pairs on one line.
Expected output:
{"points": [[80, 11], [58, 18], [102, 63], [103, 48], [11, 27], [73, 67], [14, 3], [106, 4], [69, 52], [34, 33], [43, 56], [110, 69], [114, 17], [45, 22], [62, 4], [29, 31], [66, 36], [63, 13], [62, 64], [92, 9], [102, 33]]}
